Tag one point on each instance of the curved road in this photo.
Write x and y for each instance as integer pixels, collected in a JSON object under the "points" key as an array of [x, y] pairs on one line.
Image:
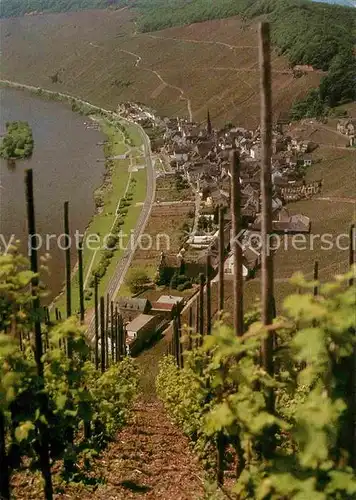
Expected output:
{"points": [[125, 261]]}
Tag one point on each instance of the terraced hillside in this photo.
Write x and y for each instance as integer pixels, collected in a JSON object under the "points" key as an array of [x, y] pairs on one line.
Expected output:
{"points": [[99, 56]]}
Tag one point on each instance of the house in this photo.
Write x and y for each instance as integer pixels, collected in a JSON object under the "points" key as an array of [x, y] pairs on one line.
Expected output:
{"points": [[191, 131], [141, 330], [294, 225], [203, 148], [166, 305], [200, 242], [307, 161], [164, 310], [131, 307], [304, 146], [181, 154], [255, 152], [347, 126], [229, 268], [307, 68], [292, 161]]}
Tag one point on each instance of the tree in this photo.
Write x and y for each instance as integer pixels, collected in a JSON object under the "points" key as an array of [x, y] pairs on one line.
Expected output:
{"points": [[340, 84], [310, 107], [137, 280], [164, 275]]}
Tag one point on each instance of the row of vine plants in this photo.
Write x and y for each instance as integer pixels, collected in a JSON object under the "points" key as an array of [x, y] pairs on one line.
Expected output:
{"points": [[72, 407], [219, 397]]}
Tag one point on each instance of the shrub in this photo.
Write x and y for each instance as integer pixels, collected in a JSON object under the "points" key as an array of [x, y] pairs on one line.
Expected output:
{"points": [[137, 280], [111, 241]]}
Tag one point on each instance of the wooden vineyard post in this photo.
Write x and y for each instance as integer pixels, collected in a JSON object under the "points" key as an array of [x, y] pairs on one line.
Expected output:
{"points": [[236, 244], [120, 338], [44, 446], [68, 273], [180, 343], [107, 316], [352, 252], [34, 269], [190, 327], [220, 462], [20, 342], [316, 278], [96, 319], [274, 315], [237, 266], [112, 331], [67, 261], [4, 467], [47, 316], [102, 331], [316, 287], [56, 313], [123, 330], [266, 226], [208, 295], [116, 335], [201, 308], [176, 341], [81, 282], [221, 260], [197, 309], [45, 341]]}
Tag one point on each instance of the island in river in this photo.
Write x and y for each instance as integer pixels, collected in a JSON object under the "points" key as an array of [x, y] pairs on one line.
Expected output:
{"points": [[65, 168], [18, 142]]}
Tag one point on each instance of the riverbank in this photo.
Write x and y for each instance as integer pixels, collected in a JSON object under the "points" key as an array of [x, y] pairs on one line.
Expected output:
{"points": [[119, 200], [124, 186]]}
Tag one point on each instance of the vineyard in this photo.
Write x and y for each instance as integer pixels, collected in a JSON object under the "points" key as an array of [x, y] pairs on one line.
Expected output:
{"points": [[56, 406], [206, 72], [267, 401], [59, 402], [220, 396], [166, 226]]}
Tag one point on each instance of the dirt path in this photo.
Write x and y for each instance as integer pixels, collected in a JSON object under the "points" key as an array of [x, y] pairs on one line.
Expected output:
{"points": [[206, 42], [335, 199], [162, 80], [150, 459]]}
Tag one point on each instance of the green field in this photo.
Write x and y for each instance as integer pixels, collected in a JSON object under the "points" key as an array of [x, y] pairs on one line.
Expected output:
{"points": [[101, 224]]}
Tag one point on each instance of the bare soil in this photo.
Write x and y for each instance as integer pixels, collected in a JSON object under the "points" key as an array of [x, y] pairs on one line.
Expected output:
{"points": [[149, 459]]}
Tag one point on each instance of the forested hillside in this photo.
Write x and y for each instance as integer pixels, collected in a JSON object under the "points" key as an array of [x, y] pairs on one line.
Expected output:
{"points": [[316, 34], [12, 8], [309, 33]]}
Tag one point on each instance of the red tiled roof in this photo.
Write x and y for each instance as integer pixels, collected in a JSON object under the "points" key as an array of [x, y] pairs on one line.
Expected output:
{"points": [[162, 306]]}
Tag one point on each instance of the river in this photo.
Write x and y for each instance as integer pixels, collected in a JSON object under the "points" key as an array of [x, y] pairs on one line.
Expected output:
{"points": [[65, 168]]}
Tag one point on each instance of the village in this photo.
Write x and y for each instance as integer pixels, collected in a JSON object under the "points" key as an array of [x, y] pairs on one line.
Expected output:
{"points": [[199, 156]]}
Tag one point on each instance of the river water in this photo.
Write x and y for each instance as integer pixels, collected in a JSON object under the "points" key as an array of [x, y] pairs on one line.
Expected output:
{"points": [[65, 168]]}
